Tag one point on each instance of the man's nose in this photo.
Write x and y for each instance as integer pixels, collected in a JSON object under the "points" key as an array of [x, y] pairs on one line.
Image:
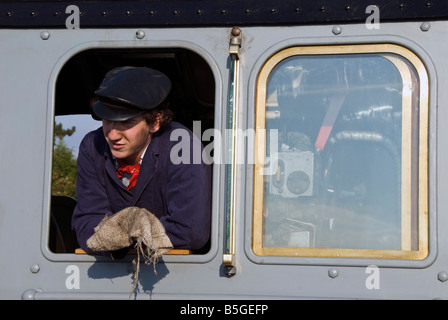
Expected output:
{"points": [[114, 134]]}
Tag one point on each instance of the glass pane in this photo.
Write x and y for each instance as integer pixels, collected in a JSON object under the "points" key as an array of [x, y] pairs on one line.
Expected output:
{"points": [[345, 155]]}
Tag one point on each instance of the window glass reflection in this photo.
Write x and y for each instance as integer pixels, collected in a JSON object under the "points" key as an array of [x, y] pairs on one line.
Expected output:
{"points": [[341, 157]]}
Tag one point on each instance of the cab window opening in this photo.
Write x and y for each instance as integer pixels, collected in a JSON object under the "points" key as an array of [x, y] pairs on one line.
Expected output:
{"points": [[191, 99]]}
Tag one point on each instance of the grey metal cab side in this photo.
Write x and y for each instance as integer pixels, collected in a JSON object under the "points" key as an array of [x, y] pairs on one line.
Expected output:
{"points": [[32, 62]]}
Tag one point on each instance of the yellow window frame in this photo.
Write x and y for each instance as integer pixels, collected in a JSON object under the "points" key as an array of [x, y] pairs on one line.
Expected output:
{"points": [[388, 51]]}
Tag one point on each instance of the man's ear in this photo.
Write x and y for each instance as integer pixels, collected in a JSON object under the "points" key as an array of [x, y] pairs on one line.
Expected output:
{"points": [[156, 125]]}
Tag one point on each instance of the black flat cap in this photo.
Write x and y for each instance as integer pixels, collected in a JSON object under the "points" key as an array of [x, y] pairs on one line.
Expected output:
{"points": [[127, 92]]}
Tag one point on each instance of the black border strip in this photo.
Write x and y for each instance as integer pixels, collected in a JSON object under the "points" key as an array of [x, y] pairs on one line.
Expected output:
{"points": [[203, 13]]}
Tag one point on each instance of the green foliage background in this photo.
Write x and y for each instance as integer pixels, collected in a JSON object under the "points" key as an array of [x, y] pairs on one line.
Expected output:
{"points": [[64, 164]]}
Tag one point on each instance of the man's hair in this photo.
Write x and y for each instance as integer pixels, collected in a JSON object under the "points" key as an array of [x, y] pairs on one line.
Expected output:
{"points": [[161, 113]]}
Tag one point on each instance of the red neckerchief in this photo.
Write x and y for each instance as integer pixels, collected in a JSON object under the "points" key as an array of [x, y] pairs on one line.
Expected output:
{"points": [[133, 170]]}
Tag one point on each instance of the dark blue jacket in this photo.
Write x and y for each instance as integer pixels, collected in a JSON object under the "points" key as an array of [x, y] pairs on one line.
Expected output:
{"points": [[178, 194]]}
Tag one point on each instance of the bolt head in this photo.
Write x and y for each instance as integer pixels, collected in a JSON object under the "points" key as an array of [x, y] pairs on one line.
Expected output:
{"points": [[336, 30], [442, 276], [140, 34], [35, 268], [44, 35], [425, 26], [333, 273]]}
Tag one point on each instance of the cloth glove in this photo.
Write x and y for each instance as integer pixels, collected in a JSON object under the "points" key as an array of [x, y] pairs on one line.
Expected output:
{"points": [[129, 226]]}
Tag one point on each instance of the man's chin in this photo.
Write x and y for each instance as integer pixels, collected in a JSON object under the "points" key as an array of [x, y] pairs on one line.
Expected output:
{"points": [[119, 154]]}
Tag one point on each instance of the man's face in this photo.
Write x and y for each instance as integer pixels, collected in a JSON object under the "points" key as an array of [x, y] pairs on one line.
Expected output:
{"points": [[127, 139]]}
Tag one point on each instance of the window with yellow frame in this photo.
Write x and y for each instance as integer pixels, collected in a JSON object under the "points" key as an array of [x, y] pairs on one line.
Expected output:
{"points": [[343, 145]]}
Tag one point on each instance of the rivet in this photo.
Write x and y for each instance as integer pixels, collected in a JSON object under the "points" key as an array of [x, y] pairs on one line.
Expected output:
{"points": [[425, 26], [152, 12], [176, 12], [224, 11], [273, 11], [44, 35], [140, 34], [348, 8], [401, 6], [104, 13], [128, 13], [323, 9], [9, 13], [442, 276], [247, 11], [33, 14], [298, 10], [199, 12], [35, 268], [336, 30], [30, 294], [428, 4], [333, 273]]}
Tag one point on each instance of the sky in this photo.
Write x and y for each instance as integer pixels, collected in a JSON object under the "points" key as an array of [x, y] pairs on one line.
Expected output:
{"points": [[83, 123]]}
